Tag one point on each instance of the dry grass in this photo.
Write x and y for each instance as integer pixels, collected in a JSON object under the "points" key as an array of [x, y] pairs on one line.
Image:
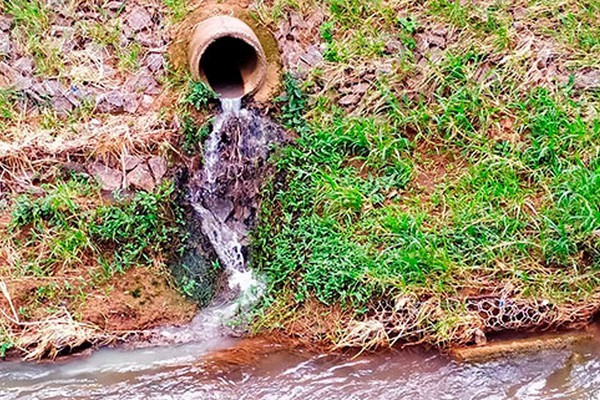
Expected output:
{"points": [[51, 336]]}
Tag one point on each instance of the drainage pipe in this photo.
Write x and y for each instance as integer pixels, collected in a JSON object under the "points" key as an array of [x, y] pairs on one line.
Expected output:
{"points": [[225, 53]]}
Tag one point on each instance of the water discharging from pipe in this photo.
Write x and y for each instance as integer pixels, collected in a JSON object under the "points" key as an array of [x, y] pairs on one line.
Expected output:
{"points": [[225, 196]]}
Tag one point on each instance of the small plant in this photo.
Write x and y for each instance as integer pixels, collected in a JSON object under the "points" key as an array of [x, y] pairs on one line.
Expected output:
{"points": [[294, 103], [5, 344], [129, 57], [194, 135], [199, 95], [177, 9]]}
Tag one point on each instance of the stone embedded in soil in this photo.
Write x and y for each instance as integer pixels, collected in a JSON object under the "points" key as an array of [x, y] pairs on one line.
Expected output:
{"points": [[587, 80], [139, 19], [61, 105], [142, 83], [313, 56], [349, 100], [394, 47], [361, 88], [24, 65], [155, 63], [158, 165], [149, 39], [5, 46], [5, 22], [109, 178], [113, 5], [130, 162], [116, 102], [141, 178], [14, 79]]}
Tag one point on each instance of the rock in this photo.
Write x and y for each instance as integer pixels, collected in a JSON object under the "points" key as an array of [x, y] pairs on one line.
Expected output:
{"points": [[116, 102], [61, 105], [139, 19], [422, 43], [386, 67], [155, 63], [349, 100], [393, 47], [438, 41], [5, 46], [109, 178], [158, 165], [313, 56], [5, 22], [147, 102], [130, 162], [37, 93], [141, 178], [131, 104], [142, 83], [587, 80], [24, 65], [361, 88], [53, 88], [77, 94], [13, 78], [221, 208], [114, 5], [149, 39], [296, 21]]}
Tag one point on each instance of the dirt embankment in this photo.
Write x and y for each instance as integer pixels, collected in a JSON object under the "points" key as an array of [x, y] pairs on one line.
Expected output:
{"points": [[86, 111]]}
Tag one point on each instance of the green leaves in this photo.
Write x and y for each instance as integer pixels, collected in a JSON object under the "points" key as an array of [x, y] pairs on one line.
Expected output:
{"points": [[199, 95], [120, 234]]}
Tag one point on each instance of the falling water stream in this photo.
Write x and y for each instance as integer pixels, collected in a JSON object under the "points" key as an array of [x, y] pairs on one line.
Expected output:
{"points": [[196, 365]]}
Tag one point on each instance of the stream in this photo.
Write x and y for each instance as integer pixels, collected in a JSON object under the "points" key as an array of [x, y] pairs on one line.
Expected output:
{"points": [[178, 372]]}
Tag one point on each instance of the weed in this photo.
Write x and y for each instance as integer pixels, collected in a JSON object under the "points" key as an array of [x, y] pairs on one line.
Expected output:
{"points": [[293, 103], [177, 9], [129, 57], [194, 135], [199, 95]]}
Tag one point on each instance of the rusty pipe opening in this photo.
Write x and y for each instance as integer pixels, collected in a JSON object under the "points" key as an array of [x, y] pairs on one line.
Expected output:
{"points": [[226, 54]]}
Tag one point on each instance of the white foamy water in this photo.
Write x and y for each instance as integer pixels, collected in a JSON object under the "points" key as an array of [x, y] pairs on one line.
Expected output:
{"points": [[227, 242], [229, 107]]}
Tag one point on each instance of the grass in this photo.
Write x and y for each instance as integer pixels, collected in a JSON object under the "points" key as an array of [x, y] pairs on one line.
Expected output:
{"points": [[468, 174], [59, 230], [67, 248]]}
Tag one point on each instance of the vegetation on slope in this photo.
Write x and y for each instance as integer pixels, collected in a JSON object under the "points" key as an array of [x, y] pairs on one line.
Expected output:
{"points": [[458, 194]]}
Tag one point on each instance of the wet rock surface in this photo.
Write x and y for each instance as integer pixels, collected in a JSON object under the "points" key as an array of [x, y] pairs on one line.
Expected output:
{"points": [[228, 201], [134, 172]]}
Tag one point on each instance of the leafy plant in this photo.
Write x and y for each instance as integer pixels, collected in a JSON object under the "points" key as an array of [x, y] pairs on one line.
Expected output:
{"points": [[199, 95], [293, 104]]}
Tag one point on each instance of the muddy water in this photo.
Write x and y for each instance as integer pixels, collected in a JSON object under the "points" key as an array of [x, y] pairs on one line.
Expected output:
{"points": [[180, 373]]}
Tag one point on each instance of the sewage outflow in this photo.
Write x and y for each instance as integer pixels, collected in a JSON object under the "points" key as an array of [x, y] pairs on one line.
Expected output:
{"points": [[224, 195]]}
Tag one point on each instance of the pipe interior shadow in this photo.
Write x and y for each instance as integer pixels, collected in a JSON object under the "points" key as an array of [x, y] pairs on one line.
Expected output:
{"points": [[227, 62]]}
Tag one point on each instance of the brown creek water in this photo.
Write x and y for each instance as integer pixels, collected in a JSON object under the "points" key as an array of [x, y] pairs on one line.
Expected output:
{"points": [[178, 372]]}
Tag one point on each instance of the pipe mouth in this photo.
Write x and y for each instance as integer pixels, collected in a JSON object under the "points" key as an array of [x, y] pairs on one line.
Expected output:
{"points": [[226, 54]]}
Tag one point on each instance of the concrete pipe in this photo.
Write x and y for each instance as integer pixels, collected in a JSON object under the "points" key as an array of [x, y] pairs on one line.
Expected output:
{"points": [[225, 53]]}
